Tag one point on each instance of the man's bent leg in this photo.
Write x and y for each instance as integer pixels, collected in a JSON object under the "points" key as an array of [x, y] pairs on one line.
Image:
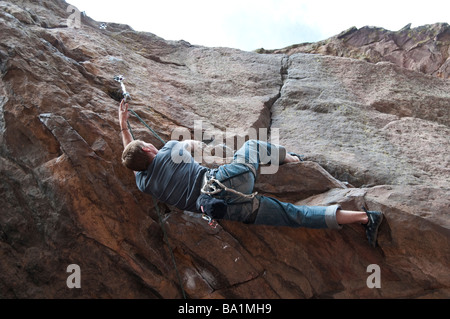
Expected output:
{"points": [[255, 152]]}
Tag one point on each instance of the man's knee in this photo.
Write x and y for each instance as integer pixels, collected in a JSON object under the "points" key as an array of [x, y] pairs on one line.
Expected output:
{"points": [[251, 143]]}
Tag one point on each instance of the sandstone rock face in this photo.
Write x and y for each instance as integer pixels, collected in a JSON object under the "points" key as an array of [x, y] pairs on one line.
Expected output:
{"points": [[424, 49], [372, 133], [368, 124]]}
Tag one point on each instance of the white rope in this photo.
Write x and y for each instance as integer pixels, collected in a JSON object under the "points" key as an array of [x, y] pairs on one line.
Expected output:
{"points": [[209, 184]]}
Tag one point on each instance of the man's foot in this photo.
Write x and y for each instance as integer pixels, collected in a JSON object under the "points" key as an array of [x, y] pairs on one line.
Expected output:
{"points": [[375, 219], [300, 157]]}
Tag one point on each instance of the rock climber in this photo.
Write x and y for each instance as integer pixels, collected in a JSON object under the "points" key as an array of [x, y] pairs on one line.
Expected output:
{"points": [[173, 176]]}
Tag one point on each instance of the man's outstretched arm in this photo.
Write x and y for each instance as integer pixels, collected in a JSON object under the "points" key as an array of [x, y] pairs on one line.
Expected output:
{"points": [[127, 138], [123, 117]]}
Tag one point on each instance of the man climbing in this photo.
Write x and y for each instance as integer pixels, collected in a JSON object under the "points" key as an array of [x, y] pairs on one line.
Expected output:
{"points": [[173, 176]]}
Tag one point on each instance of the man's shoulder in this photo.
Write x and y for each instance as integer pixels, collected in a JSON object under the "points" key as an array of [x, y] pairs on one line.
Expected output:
{"points": [[170, 144]]}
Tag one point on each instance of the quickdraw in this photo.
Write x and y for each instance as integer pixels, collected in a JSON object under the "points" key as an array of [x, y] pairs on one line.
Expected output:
{"points": [[126, 95], [211, 222]]}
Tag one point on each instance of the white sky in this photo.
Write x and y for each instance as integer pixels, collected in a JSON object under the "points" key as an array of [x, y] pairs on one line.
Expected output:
{"points": [[252, 24]]}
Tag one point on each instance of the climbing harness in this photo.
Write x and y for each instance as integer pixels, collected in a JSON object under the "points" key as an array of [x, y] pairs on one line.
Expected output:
{"points": [[212, 186], [208, 183], [126, 97]]}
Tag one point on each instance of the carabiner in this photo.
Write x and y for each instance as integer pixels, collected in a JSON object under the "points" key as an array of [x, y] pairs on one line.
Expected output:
{"points": [[211, 222]]}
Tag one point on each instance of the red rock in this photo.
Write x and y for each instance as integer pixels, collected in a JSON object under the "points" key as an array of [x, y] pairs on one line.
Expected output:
{"points": [[423, 49], [66, 199]]}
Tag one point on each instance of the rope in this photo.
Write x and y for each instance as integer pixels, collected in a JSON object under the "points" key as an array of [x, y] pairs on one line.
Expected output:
{"points": [[215, 190], [143, 122], [131, 131], [166, 238], [126, 97]]}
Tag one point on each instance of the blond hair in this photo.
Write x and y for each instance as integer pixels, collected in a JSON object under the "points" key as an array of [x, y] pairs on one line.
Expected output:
{"points": [[134, 157]]}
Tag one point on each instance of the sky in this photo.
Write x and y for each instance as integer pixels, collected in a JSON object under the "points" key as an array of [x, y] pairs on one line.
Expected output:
{"points": [[254, 24]]}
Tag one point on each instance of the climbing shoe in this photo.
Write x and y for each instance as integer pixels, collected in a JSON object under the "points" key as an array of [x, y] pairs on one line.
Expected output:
{"points": [[300, 157], [375, 219]]}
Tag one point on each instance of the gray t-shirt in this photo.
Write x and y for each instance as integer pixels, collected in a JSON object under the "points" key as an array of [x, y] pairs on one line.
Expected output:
{"points": [[173, 177]]}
